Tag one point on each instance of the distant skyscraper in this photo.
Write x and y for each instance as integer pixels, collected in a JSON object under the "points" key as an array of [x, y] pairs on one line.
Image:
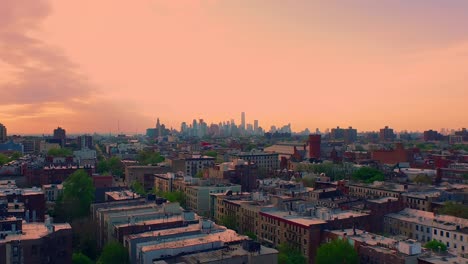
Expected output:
{"points": [[243, 120], [255, 126], [60, 133], [386, 134], [158, 128], [3, 133], [85, 142]]}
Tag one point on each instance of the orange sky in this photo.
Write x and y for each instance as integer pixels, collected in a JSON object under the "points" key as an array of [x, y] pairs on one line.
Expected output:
{"points": [[88, 65]]}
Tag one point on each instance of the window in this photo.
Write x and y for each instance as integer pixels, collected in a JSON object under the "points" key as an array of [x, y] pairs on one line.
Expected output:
{"points": [[417, 228], [34, 250], [463, 248], [461, 238], [454, 236], [441, 233], [435, 231], [448, 244], [427, 229], [447, 234]]}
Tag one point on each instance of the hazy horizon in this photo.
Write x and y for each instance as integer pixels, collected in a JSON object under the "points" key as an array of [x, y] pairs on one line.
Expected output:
{"points": [[87, 65]]}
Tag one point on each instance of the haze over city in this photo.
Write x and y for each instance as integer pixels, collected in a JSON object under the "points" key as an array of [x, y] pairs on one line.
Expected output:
{"points": [[90, 65]]}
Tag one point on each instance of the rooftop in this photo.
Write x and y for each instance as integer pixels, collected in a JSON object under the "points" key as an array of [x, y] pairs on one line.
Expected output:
{"points": [[123, 195], [167, 232], [383, 200], [446, 222], [224, 253], [443, 259], [228, 236], [365, 237], [34, 231]]}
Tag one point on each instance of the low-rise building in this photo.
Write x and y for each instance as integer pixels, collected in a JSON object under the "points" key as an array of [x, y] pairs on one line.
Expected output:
{"points": [[28, 203], [421, 200], [376, 190], [199, 242], [302, 230], [52, 191], [197, 197], [426, 226], [373, 248], [144, 175], [264, 161], [22, 242]]}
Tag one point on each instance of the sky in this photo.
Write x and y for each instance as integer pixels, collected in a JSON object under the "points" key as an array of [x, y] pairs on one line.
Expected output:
{"points": [[109, 65]]}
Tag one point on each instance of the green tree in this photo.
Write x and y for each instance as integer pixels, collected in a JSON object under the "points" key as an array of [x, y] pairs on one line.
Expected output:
{"points": [[368, 175], [112, 165], [451, 208], [290, 255], [422, 179], [116, 166], [113, 253], [138, 188], [16, 155], [229, 221], [251, 235], [84, 237], [77, 196], [79, 258], [425, 146], [176, 196], [149, 158], [59, 152], [308, 182], [435, 245], [3, 159], [211, 153], [336, 252]]}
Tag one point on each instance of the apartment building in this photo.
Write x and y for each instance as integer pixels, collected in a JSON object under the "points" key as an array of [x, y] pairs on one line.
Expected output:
{"points": [[302, 230], [264, 161], [373, 248], [22, 242], [421, 200], [424, 226], [197, 197], [376, 190]]}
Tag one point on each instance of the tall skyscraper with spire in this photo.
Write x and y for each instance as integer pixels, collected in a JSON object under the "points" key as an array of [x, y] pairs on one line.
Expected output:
{"points": [[158, 128]]}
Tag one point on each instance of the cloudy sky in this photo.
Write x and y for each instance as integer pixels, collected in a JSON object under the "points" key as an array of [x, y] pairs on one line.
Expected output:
{"points": [[89, 65]]}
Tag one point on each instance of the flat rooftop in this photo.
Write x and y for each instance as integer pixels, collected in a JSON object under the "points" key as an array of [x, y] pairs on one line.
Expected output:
{"points": [[383, 199], [429, 219], [312, 220], [34, 231], [224, 253], [228, 236], [161, 220], [363, 236], [168, 232], [444, 259]]}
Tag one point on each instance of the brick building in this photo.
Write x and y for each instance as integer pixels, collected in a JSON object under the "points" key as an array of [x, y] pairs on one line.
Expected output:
{"points": [[35, 242], [53, 174], [372, 248], [29, 204], [393, 156]]}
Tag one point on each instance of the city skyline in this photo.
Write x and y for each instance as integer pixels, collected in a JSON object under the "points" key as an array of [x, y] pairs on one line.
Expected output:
{"points": [[319, 64]]}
